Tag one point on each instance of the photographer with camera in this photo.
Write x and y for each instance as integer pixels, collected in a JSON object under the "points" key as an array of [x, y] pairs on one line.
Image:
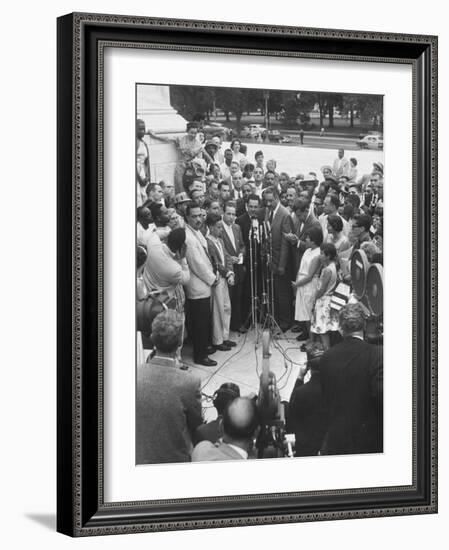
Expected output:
{"points": [[213, 431], [240, 422], [307, 417]]}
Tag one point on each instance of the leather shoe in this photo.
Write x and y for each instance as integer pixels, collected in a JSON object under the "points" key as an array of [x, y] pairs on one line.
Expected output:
{"points": [[210, 350], [229, 343], [243, 330], [206, 362], [222, 347]]}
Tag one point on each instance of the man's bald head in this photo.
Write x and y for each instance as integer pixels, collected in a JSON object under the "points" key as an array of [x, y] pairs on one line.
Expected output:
{"points": [[240, 419]]}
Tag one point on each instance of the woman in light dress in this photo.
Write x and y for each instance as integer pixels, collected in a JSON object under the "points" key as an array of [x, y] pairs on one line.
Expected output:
{"points": [[335, 233], [306, 283], [237, 155], [324, 319]]}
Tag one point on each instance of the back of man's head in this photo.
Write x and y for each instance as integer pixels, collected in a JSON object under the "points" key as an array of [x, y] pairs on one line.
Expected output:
{"points": [[352, 319], [226, 393], [240, 420], [166, 331]]}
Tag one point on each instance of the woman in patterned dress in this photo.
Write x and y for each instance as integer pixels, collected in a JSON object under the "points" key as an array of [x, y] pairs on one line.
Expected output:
{"points": [[324, 319]]}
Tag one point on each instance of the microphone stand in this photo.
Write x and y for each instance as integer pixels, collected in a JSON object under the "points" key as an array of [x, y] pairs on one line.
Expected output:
{"points": [[253, 279]]}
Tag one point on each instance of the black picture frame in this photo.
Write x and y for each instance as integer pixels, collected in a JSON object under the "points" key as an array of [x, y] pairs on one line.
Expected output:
{"points": [[81, 510]]}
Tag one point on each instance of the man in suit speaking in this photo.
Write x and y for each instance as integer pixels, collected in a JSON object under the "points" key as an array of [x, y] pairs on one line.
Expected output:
{"points": [[280, 223]]}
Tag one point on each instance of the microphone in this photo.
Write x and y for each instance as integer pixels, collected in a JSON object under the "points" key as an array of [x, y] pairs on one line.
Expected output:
{"points": [[267, 228], [255, 228]]}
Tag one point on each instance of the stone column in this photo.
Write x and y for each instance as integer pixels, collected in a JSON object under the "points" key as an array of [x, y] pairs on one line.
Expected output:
{"points": [[154, 108]]}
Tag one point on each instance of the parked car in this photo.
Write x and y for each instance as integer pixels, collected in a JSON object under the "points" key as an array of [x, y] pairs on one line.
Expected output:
{"points": [[215, 128], [253, 130], [371, 133], [371, 142], [274, 135]]}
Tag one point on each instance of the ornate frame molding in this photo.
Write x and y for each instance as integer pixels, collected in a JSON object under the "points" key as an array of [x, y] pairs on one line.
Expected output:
{"points": [[81, 510]]}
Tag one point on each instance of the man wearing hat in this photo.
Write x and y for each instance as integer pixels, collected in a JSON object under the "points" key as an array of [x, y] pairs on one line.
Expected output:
{"points": [[378, 167], [307, 416], [211, 149], [352, 386], [218, 157], [181, 200]]}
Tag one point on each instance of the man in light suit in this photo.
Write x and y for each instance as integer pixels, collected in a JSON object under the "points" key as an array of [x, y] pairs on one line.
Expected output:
{"points": [[281, 223], [341, 165], [352, 386], [233, 242], [168, 399], [240, 421], [198, 288], [220, 301]]}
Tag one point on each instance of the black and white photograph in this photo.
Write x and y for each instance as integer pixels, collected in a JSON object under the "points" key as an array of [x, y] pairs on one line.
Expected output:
{"points": [[259, 273]]}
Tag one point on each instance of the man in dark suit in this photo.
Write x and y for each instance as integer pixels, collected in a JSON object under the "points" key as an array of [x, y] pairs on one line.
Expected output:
{"points": [[168, 399], [233, 242], [240, 205], [249, 223], [240, 421], [306, 413], [352, 384], [303, 220], [280, 223]]}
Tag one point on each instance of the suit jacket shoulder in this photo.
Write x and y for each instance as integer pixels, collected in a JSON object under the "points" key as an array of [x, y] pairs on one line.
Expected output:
{"points": [[207, 451]]}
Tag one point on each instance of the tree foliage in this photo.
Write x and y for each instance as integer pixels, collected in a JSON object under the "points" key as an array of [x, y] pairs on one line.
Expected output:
{"points": [[293, 106]]}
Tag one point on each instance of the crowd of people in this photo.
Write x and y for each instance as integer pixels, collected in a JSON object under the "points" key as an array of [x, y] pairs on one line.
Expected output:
{"points": [[194, 237]]}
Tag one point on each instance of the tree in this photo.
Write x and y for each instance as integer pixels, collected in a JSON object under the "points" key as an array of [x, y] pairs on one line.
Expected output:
{"points": [[350, 107], [296, 107], [321, 100], [233, 100], [192, 100], [370, 108]]}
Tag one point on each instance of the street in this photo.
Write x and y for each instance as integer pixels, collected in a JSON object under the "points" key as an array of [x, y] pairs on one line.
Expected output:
{"points": [[294, 158]]}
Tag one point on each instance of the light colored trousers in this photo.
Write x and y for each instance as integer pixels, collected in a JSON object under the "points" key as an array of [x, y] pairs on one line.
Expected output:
{"points": [[221, 312]]}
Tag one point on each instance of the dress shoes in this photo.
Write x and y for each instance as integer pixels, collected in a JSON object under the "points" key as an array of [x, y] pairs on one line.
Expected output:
{"points": [[222, 347], [229, 343], [210, 350], [206, 362], [243, 330]]}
